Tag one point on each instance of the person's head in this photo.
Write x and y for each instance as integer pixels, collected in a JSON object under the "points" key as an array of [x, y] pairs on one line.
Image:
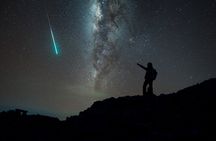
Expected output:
{"points": [[149, 65]]}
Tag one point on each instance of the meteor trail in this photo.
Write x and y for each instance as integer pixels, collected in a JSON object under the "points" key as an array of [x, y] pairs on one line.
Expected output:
{"points": [[53, 38]]}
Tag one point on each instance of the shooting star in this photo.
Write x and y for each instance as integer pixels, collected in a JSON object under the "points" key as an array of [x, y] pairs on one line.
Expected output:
{"points": [[53, 38]]}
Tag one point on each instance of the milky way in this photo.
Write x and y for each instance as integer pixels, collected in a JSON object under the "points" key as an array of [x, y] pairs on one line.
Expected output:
{"points": [[108, 18]]}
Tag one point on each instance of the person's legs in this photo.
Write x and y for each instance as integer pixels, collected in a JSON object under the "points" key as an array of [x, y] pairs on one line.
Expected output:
{"points": [[144, 87], [150, 88]]}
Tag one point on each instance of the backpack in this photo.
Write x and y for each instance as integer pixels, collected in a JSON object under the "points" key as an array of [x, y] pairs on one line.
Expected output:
{"points": [[154, 74]]}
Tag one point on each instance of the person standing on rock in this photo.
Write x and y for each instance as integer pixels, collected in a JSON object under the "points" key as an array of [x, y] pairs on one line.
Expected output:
{"points": [[150, 76]]}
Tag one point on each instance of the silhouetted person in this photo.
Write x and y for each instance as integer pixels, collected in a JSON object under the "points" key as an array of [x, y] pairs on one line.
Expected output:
{"points": [[150, 76]]}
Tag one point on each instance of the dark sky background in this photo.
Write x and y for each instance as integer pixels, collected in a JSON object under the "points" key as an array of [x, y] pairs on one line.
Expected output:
{"points": [[177, 36]]}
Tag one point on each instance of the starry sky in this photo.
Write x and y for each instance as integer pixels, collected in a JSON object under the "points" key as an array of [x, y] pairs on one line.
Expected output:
{"points": [[100, 42]]}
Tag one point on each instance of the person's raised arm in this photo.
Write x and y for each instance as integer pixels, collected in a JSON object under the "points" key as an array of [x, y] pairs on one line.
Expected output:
{"points": [[141, 66]]}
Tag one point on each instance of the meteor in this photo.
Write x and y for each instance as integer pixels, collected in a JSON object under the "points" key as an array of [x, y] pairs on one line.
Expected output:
{"points": [[53, 38]]}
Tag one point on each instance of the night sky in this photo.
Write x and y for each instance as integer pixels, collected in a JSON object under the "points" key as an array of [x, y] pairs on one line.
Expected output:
{"points": [[99, 44]]}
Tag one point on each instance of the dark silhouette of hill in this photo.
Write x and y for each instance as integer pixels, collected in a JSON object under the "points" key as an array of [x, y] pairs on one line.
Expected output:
{"points": [[16, 125], [188, 114]]}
